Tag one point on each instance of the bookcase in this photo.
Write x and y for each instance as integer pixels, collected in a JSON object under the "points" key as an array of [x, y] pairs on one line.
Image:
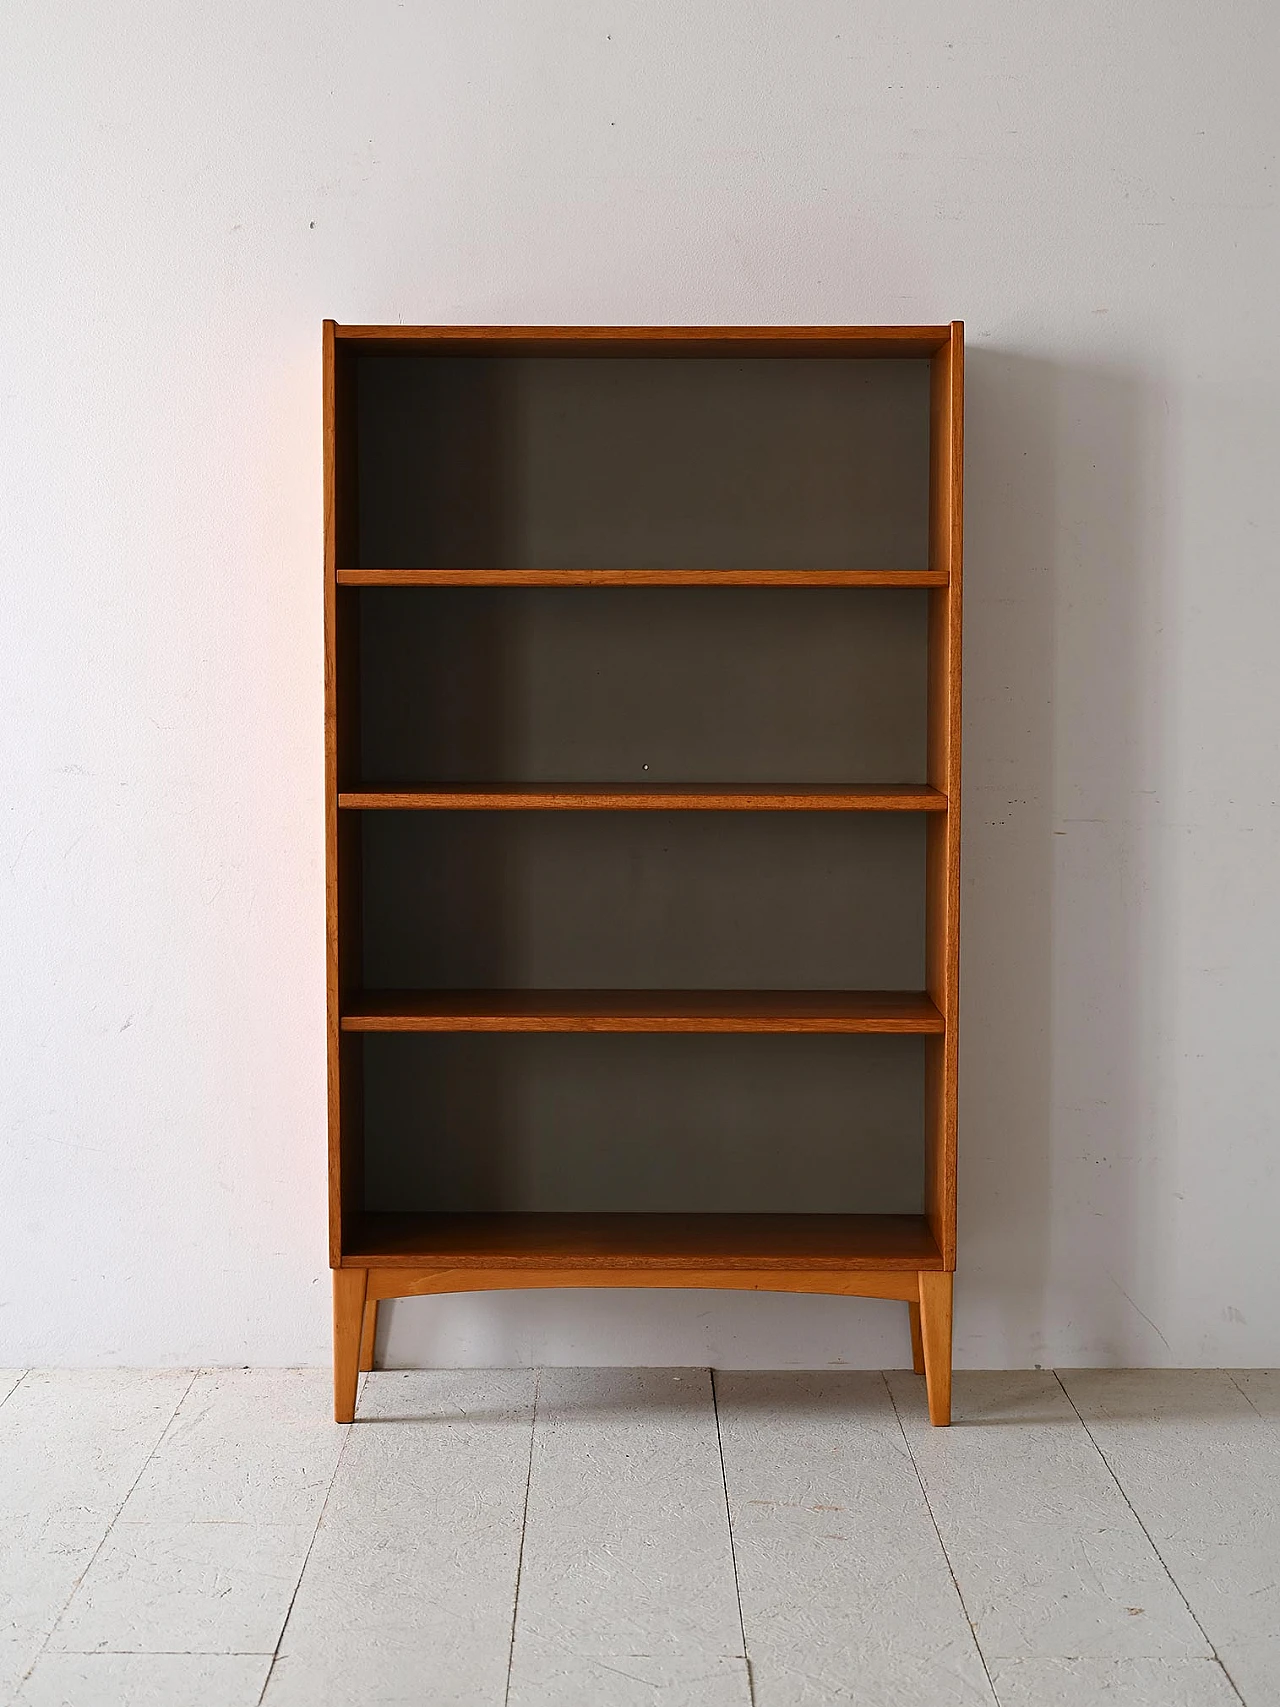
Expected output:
{"points": [[642, 745]]}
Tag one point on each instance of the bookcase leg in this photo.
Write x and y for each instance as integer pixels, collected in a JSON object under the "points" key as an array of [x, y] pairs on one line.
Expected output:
{"points": [[349, 1288], [917, 1344], [935, 1335], [369, 1335]]}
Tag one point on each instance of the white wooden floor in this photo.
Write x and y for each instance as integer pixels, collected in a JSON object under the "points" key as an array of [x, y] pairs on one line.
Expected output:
{"points": [[618, 1537]]}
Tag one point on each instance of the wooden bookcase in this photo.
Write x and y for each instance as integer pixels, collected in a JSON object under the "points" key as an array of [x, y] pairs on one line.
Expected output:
{"points": [[642, 718]]}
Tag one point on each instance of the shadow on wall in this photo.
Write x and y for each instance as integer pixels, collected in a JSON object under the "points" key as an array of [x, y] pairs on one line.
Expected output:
{"points": [[1062, 989], [1061, 980]]}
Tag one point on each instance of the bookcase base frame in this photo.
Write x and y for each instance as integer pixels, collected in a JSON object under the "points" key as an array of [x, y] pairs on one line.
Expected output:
{"points": [[357, 1292]]}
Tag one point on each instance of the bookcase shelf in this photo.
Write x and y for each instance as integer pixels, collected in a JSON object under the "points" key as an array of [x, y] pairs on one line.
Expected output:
{"points": [[587, 1245], [650, 797], [884, 1013], [532, 794], [642, 577]]}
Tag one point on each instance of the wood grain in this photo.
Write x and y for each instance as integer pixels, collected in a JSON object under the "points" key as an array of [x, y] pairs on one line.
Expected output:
{"points": [[524, 1243], [369, 1333], [917, 1343], [875, 1012], [847, 1283], [650, 797], [942, 844], [333, 1002], [341, 741], [641, 577], [866, 341], [935, 1337], [349, 1289]]}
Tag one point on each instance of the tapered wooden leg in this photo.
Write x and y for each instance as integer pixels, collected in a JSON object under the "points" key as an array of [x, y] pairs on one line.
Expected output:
{"points": [[349, 1287], [917, 1344], [935, 1336], [369, 1337]]}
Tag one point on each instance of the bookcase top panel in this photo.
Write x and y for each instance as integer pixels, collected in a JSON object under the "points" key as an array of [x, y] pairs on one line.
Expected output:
{"points": [[866, 341]]}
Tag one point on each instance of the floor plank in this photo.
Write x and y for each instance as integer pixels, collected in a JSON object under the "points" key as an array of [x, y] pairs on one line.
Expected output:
{"points": [[72, 1443], [1049, 1558], [1199, 1460], [846, 1593], [1112, 1683], [77, 1439], [627, 1585], [209, 1545], [408, 1593], [146, 1680], [247, 1445], [42, 1557], [195, 1588]]}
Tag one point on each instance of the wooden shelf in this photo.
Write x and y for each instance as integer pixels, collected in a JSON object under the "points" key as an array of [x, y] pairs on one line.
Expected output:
{"points": [[883, 1012], [642, 577], [854, 341], [645, 797], [528, 1242]]}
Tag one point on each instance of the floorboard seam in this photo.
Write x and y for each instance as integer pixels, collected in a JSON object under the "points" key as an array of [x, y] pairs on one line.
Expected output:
{"points": [[1212, 1647], [733, 1546], [928, 1506], [173, 1653], [1239, 1389], [21, 1378], [110, 1529], [524, 1525], [306, 1557]]}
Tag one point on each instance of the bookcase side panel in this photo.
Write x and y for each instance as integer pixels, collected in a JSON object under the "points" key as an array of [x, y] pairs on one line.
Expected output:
{"points": [[342, 841], [942, 879]]}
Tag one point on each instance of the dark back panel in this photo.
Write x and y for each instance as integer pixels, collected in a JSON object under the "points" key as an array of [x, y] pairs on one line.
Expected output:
{"points": [[643, 900], [643, 463], [651, 684], [644, 1123]]}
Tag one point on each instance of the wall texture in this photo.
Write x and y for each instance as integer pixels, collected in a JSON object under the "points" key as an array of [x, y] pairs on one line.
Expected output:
{"points": [[185, 191]]}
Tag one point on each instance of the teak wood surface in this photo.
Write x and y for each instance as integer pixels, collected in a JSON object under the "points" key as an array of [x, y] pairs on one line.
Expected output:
{"points": [[942, 858], [908, 1258], [588, 1244], [646, 797], [866, 341], [642, 578], [874, 1012]]}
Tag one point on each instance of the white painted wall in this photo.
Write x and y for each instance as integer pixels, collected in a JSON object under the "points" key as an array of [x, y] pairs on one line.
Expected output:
{"points": [[186, 190]]}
